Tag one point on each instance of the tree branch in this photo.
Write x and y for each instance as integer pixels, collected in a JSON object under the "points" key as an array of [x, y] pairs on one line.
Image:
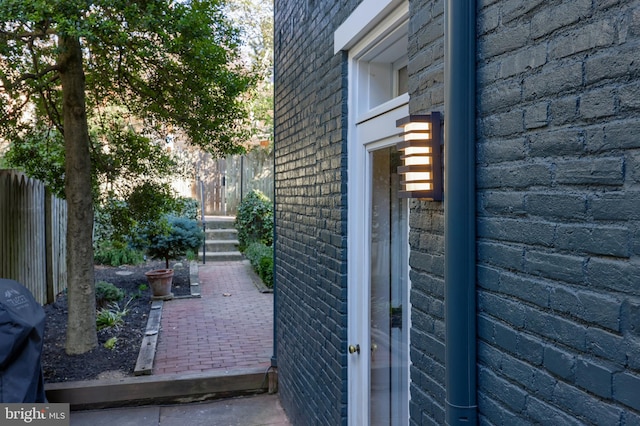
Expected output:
{"points": [[37, 76], [26, 35]]}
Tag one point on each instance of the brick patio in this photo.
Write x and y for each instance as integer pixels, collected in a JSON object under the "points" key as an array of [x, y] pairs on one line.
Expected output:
{"points": [[229, 327]]}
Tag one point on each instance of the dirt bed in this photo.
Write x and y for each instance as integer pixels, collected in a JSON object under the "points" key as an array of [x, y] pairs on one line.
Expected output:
{"points": [[102, 362]]}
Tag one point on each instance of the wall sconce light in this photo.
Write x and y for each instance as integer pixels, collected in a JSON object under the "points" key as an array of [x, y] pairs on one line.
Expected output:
{"points": [[421, 169]]}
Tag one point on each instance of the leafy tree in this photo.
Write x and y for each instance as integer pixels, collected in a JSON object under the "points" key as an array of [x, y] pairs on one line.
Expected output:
{"points": [[63, 63], [255, 18]]}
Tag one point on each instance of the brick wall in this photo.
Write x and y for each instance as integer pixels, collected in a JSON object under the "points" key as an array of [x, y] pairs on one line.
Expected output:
{"points": [[558, 149], [426, 224], [557, 175], [558, 228], [310, 149]]}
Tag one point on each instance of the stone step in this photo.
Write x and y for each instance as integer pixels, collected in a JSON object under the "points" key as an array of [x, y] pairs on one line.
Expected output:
{"points": [[221, 245], [221, 234], [219, 222], [221, 256], [221, 239]]}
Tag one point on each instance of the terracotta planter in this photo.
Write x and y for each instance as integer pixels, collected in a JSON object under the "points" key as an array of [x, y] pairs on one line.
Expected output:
{"points": [[160, 282]]}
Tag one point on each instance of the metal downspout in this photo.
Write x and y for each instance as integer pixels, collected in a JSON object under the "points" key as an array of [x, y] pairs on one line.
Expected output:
{"points": [[459, 212]]}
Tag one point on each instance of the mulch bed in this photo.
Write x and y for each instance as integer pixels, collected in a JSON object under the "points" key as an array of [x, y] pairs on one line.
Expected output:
{"points": [[102, 362]]}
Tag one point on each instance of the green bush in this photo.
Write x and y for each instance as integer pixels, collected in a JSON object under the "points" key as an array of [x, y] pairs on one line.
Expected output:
{"points": [[254, 220], [107, 293], [115, 226], [170, 239], [116, 253], [186, 207], [261, 258]]}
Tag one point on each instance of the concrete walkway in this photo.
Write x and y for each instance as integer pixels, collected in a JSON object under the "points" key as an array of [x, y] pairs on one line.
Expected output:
{"points": [[264, 410]]}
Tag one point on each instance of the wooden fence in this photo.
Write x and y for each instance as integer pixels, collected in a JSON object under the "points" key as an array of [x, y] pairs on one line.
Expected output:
{"points": [[32, 236], [224, 182], [246, 173]]}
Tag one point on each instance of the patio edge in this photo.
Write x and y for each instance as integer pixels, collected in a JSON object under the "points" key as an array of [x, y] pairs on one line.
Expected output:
{"points": [[163, 389]]}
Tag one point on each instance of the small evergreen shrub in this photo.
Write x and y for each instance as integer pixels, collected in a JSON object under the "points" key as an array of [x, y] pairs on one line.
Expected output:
{"points": [[107, 293], [261, 258], [171, 239], [254, 220]]}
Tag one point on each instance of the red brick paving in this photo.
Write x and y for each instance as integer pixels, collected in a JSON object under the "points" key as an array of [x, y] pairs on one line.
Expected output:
{"points": [[230, 326]]}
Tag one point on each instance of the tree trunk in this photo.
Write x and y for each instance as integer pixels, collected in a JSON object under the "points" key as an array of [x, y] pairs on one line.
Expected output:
{"points": [[81, 327]]}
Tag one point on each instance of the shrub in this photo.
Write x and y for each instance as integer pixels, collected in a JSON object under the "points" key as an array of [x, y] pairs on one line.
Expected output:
{"points": [[107, 293], [186, 207], [118, 219], [254, 220], [116, 253], [171, 239], [261, 258]]}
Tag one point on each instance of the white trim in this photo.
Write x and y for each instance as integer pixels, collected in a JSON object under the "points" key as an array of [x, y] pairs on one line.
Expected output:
{"points": [[384, 108], [367, 15], [366, 32], [382, 127]]}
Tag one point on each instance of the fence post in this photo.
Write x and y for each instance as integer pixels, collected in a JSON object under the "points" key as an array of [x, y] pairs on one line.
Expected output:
{"points": [[48, 232]]}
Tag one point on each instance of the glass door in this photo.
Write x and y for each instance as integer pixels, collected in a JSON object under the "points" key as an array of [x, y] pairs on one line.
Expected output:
{"points": [[388, 293], [377, 290]]}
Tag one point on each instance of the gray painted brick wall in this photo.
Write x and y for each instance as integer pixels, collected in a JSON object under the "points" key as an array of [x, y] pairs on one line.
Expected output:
{"points": [[558, 225], [558, 213], [426, 224], [310, 213], [557, 201]]}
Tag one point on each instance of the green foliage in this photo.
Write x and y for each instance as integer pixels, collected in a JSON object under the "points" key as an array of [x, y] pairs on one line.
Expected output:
{"points": [[177, 63], [255, 19], [186, 207], [170, 238], [40, 154], [111, 343], [107, 293], [116, 253], [254, 220], [123, 158], [117, 221], [261, 258], [112, 316], [191, 255]]}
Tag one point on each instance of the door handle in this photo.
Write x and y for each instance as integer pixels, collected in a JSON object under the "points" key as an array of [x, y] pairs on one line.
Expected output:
{"points": [[374, 348], [354, 349]]}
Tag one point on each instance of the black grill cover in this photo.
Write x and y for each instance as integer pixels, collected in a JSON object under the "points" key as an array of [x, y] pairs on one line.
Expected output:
{"points": [[21, 340]]}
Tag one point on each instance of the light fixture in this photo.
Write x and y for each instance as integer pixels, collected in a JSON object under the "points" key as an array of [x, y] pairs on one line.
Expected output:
{"points": [[421, 169]]}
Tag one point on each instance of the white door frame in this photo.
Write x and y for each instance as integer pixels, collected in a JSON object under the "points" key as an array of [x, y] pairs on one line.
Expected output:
{"points": [[369, 129], [358, 257]]}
